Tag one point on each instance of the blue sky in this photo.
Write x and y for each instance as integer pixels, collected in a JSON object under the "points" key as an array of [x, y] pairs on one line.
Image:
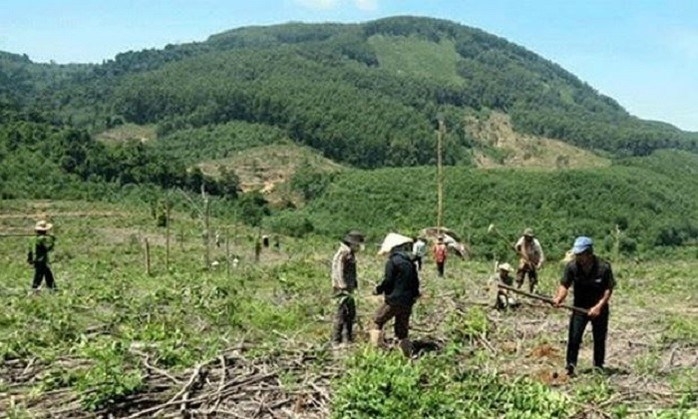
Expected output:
{"points": [[643, 53]]}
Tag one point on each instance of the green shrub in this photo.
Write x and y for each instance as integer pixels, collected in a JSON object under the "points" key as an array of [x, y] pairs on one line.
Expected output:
{"points": [[386, 385]]}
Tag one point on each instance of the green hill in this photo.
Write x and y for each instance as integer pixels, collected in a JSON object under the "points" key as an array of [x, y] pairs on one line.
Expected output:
{"points": [[365, 94], [648, 198]]}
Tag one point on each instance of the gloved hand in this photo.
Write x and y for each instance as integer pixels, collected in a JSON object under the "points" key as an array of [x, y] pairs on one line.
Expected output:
{"points": [[377, 291]]}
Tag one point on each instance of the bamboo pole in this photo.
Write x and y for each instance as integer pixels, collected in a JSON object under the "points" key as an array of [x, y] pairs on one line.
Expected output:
{"points": [[439, 174]]}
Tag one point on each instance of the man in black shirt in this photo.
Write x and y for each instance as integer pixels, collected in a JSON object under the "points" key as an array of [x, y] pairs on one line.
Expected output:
{"points": [[593, 282]]}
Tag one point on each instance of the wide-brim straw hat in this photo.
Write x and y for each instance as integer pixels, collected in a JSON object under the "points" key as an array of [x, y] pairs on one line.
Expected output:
{"points": [[391, 241], [505, 267], [43, 226]]}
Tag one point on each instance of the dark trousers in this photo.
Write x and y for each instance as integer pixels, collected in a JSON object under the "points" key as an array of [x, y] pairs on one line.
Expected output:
{"points": [[402, 318], [599, 329], [344, 319], [43, 271], [440, 268], [532, 276]]}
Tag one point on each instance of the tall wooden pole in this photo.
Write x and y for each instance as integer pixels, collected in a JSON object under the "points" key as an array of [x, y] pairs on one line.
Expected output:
{"points": [[207, 250], [167, 236], [227, 252], [439, 175], [147, 257]]}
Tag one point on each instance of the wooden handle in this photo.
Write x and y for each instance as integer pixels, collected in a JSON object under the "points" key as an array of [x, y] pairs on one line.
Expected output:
{"points": [[542, 298]]}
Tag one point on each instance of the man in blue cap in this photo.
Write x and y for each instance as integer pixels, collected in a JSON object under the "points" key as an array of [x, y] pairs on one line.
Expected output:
{"points": [[593, 283]]}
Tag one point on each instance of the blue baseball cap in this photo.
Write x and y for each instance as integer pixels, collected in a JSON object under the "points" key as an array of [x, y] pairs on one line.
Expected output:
{"points": [[581, 244]]}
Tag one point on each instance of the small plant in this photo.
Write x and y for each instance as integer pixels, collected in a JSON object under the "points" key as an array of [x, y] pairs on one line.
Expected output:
{"points": [[109, 380], [386, 385], [465, 326]]}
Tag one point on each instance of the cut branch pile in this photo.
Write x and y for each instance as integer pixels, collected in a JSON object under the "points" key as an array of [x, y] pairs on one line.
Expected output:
{"points": [[291, 383]]}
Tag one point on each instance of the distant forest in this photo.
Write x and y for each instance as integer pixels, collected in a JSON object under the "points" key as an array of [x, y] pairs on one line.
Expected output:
{"points": [[339, 89], [366, 95]]}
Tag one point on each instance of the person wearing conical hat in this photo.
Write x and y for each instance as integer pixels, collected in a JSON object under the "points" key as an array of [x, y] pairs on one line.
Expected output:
{"points": [[38, 255], [344, 283], [531, 259], [400, 287]]}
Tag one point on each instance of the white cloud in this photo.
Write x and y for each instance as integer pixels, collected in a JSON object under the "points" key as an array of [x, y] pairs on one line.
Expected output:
{"points": [[366, 5]]}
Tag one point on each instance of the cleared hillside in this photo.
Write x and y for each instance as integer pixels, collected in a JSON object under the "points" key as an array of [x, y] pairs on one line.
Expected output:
{"points": [[269, 168]]}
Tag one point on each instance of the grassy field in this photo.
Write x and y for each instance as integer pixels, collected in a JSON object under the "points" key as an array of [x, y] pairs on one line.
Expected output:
{"points": [[251, 340]]}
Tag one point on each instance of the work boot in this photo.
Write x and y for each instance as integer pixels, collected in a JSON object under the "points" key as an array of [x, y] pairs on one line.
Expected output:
{"points": [[570, 370], [406, 347], [376, 338]]}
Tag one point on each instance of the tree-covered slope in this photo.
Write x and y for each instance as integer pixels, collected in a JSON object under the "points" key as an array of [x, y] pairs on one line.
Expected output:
{"points": [[364, 94], [648, 198]]}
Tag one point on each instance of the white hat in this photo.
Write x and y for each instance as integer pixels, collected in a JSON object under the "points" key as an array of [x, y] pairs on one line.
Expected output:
{"points": [[392, 240], [43, 226], [505, 267]]}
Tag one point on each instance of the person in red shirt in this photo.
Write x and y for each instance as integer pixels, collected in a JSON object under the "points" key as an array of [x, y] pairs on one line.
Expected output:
{"points": [[440, 251]]}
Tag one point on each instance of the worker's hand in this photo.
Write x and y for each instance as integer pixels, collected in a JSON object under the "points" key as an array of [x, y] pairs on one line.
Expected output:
{"points": [[594, 311], [539, 266], [377, 291], [557, 302]]}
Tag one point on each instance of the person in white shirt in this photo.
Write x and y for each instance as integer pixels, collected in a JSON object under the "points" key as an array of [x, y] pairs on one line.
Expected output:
{"points": [[531, 259], [419, 249]]}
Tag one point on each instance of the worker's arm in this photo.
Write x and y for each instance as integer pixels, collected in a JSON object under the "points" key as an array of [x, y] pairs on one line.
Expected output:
{"points": [[388, 279], [542, 256], [30, 253], [610, 282], [565, 284], [560, 295], [596, 310]]}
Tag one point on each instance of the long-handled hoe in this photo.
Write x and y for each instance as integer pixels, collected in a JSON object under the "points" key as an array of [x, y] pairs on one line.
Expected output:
{"points": [[548, 300], [493, 230]]}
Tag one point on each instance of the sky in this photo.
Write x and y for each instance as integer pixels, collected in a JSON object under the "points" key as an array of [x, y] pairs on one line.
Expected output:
{"points": [[642, 53]]}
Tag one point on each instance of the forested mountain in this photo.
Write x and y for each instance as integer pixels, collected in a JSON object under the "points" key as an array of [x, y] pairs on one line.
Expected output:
{"points": [[366, 94]]}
